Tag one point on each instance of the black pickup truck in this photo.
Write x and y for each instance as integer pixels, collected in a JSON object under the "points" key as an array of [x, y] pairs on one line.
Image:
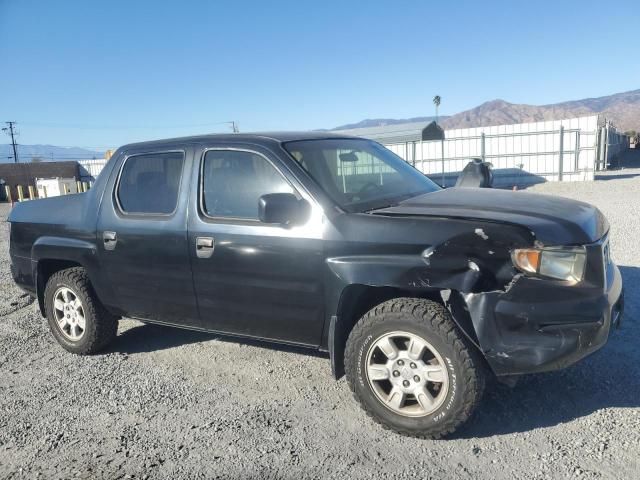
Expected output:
{"points": [[332, 243]]}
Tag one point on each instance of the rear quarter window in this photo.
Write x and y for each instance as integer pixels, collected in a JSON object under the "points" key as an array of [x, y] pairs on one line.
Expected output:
{"points": [[149, 183]]}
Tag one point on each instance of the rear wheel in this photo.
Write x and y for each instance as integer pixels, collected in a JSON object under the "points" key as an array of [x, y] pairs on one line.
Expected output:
{"points": [[411, 370], [77, 319]]}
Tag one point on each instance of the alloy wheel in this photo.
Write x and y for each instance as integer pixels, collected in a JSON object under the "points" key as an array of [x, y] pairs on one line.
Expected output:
{"points": [[69, 313], [407, 374]]}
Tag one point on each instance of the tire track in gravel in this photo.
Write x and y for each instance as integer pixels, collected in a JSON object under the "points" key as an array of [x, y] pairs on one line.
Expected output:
{"points": [[11, 305]]}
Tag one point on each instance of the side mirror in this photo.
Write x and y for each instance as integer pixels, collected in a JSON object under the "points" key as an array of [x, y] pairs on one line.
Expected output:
{"points": [[349, 157], [283, 209]]}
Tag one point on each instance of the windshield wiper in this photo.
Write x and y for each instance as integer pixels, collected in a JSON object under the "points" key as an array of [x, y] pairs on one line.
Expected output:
{"points": [[394, 203], [389, 205]]}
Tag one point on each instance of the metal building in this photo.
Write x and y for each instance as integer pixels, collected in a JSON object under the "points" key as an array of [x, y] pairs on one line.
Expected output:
{"points": [[25, 174], [399, 133]]}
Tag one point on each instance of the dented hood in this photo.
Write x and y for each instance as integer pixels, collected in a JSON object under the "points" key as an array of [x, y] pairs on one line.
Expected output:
{"points": [[553, 220]]}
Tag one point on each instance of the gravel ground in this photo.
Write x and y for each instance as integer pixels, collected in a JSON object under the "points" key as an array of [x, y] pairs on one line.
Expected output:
{"points": [[166, 403]]}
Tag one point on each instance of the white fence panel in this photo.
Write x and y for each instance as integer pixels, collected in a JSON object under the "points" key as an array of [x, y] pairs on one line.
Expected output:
{"points": [[522, 154], [90, 169]]}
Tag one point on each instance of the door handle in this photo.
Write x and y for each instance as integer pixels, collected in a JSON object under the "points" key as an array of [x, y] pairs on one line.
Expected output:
{"points": [[204, 247], [110, 240]]}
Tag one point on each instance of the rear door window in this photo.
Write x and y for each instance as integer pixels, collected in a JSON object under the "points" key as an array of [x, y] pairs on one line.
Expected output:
{"points": [[149, 183]]}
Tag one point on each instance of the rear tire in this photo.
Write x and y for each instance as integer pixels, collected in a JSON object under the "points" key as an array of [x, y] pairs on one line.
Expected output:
{"points": [[77, 319], [411, 370]]}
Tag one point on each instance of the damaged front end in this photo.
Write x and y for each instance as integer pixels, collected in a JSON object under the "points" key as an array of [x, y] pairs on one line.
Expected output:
{"points": [[526, 324], [521, 323]]}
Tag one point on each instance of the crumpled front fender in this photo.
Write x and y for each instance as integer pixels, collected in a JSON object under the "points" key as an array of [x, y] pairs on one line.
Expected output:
{"points": [[476, 261]]}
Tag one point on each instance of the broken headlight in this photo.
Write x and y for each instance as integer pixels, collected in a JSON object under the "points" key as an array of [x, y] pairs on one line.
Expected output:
{"points": [[562, 263]]}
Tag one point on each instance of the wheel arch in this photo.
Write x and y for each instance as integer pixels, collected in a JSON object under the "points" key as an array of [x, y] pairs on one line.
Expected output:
{"points": [[50, 254], [355, 301]]}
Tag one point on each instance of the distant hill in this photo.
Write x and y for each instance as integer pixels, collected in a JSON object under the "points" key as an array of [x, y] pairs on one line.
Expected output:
{"points": [[46, 153], [623, 109]]}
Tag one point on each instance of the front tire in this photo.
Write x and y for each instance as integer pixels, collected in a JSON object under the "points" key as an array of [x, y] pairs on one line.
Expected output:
{"points": [[77, 319], [411, 370]]}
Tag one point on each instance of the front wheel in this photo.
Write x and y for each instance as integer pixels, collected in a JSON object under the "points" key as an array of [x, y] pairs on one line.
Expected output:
{"points": [[77, 319], [411, 369]]}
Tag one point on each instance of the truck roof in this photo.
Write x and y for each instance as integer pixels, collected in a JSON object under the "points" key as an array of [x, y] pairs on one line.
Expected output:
{"points": [[254, 137]]}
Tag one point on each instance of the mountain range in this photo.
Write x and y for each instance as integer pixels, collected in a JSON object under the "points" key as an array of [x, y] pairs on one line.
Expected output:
{"points": [[46, 153], [623, 109]]}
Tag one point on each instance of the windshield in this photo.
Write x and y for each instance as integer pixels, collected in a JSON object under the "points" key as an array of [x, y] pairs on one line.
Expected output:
{"points": [[359, 175]]}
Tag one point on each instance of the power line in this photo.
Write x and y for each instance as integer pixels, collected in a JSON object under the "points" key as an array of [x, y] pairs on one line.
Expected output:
{"points": [[80, 156], [27, 153], [13, 139], [85, 147], [85, 126], [49, 157]]}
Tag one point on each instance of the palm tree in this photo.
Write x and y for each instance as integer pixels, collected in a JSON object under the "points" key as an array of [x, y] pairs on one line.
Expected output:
{"points": [[436, 102]]}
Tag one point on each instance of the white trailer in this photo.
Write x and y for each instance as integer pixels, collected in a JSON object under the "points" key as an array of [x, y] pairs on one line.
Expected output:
{"points": [[53, 187]]}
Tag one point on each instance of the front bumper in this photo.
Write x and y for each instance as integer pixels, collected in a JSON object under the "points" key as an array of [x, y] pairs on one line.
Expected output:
{"points": [[538, 325]]}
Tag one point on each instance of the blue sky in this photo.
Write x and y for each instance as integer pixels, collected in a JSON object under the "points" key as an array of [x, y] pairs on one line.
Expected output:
{"points": [[101, 74]]}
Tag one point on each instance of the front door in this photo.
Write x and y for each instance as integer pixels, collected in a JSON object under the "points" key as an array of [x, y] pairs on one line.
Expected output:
{"points": [[251, 278], [142, 236]]}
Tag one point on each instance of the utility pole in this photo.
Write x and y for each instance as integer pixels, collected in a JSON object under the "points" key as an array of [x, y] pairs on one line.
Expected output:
{"points": [[11, 132]]}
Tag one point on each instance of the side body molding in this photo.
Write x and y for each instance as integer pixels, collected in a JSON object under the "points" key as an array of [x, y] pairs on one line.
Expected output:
{"points": [[62, 248]]}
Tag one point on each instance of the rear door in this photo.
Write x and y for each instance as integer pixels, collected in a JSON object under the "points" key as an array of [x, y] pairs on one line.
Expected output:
{"points": [[142, 235], [251, 278]]}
